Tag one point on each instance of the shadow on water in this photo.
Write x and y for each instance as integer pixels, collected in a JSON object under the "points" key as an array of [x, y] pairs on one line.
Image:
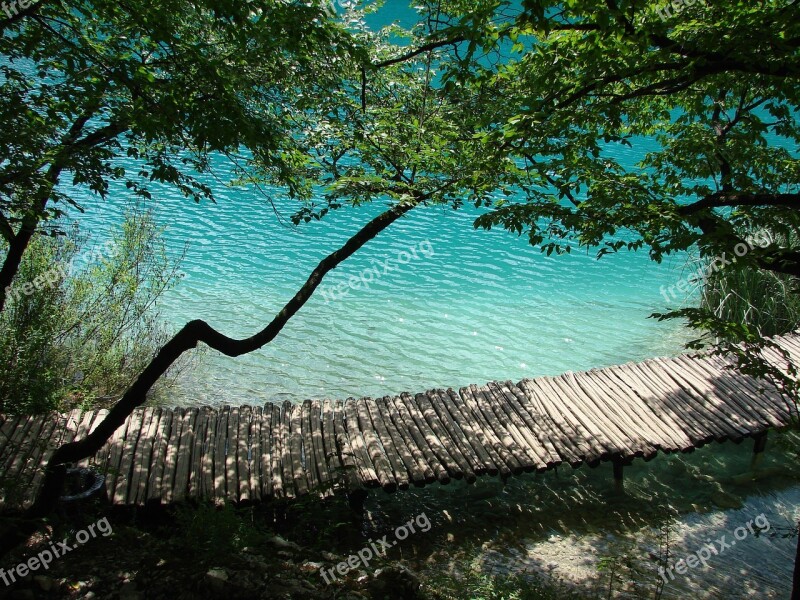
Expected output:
{"points": [[571, 524]]}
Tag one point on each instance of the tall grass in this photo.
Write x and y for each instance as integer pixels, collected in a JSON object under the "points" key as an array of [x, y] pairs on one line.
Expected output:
{"points": [[81, 339], [767, 302]]}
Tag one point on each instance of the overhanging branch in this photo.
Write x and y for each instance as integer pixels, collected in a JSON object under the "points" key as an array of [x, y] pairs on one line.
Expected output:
{"points": [[721, 199], [189, 337]]}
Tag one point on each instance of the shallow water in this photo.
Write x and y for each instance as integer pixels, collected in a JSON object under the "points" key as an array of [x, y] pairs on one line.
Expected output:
{"points": [[571, 525], [467, 307]]}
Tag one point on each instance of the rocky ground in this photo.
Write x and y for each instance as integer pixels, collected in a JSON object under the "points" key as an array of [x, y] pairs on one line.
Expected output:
{"points": [[157, 560]]}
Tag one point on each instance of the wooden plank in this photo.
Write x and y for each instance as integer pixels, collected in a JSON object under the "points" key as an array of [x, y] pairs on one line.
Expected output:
{"points": [[435, 443], [317, 440], [382, 466], [270, 470], [332, 455], [571, 401], [309, 456], [369, 476], [422, 473], [492, 463], [663, 403], [183, 465], [442, 433], [529, 447], [503, 428], [124, 472], [351, 472], [159, 455], [7, 430], [770, 396], [63, 433], [255, 452], [671, 436], [12, 493], [571, 434], [99, 415], [643, 440], [27, 446], [295, 429], [144, 452], [720, 408], [503, 443], [593, 408], [547, 427], [242, 453], [15, 444], [417, 472], [690, 399], [279, 485], [38, 458], [220, 456], [167, 482], [534, 421], [284, 435], [400, 469], [525, 436], [439, 402], [423, 451], [208, 481], [231, 445], [735, 392], [196, 472], [506, 458]]}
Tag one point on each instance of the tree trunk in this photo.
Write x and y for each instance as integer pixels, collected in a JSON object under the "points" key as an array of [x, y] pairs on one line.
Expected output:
{"points": [[17, 247], [796, 575]]}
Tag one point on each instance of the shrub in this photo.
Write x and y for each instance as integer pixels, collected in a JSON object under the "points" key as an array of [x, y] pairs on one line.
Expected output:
{"points": [[81, 322]]}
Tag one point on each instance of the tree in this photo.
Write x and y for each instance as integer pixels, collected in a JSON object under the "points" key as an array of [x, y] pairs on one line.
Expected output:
{"points": [[379, 131], [588, 82], [715, 83], [96, 91]]}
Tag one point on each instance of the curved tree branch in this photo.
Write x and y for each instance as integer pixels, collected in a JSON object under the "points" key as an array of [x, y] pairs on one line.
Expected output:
{"points": [[187, 338]]}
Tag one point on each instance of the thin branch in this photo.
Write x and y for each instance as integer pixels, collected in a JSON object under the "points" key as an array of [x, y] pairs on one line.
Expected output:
{"points": [[721, 199], [421, 50], [189, 337]]}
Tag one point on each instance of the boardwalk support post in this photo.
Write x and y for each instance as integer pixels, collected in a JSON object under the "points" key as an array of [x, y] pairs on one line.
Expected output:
{"points": [[619, 484], [355, 498], [759, 445]]}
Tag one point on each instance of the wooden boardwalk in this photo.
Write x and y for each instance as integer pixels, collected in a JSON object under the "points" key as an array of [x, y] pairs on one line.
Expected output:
{"points": [[249, 454]]}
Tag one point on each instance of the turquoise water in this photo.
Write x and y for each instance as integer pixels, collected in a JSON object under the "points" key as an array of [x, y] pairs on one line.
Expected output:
{"points": [[469, 306]]}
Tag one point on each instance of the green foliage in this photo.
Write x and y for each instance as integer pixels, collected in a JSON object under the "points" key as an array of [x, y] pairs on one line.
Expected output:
{"points": [[209, 533], [474, 585], [88, 325], [587, 86], [767, 302]]}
